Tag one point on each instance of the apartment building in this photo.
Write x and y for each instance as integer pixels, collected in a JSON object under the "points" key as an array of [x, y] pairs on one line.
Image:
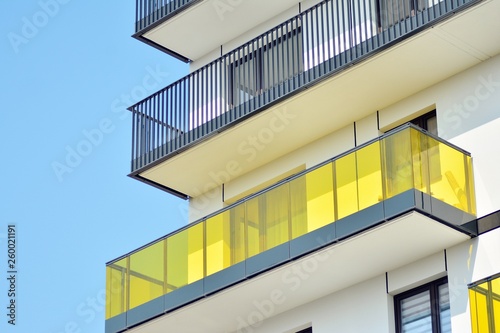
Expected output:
{"points": [[340, 160]]}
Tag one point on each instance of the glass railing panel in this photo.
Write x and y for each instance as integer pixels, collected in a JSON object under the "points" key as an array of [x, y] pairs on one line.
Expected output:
{"points": [[420, 160], [267, 220], [311, 200], [185, 251], [116, 288], [369, 175], [398, 166], [479, 306], [495, 289], [447, 172], [485, 305], [470, 188], [346, 187], [147, 274], [225, 239]]}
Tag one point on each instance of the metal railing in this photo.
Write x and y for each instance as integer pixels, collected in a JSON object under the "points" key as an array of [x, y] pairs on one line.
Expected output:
{"points": [[295, 54], [148, 12]]}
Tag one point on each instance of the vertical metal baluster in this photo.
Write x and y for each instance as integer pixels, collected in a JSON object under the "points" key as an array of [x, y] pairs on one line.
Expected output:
{"points": [[184, 110], [154, 126], [317, 52], [171, 121], [266, 53], [342, 28], [178, 123], [329, 27], [307, 45], [250, 78], [205, 101], [280, 61], [163, 122], [134, 139]]}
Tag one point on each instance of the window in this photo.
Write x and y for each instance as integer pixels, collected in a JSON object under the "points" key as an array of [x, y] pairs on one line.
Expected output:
{"points": [[425, 309], [427, 121], [485, 305]]}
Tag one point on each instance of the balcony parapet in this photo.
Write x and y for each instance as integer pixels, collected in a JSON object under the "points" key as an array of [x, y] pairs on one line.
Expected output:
{"points": [[402, 171], [281, 62]]}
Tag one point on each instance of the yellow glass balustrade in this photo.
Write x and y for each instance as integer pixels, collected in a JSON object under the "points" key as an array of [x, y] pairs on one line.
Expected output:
{"points": [[403, 160], [185, 257], [311, 200], [485, 306], [147, 274], [225, 239]]}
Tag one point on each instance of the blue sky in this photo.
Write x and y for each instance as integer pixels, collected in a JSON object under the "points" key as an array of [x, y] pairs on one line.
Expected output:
{"points": [[69, 69]]}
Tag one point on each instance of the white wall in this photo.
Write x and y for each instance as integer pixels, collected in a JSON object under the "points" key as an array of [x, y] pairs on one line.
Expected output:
{"points": [[364, 307]]}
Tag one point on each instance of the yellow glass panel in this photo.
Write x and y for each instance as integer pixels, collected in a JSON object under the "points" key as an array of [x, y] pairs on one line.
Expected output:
{"points": [[473, 313], [225, 239], [116, 288], [346, 187], [470, 186], [267, 220], [398, 170], [496, 314], [369, 175], [311, 198], [255, 241], [495, 290], [479, 308], [298, 206], [185, 254], [147, 274], [420, 160], [447, 170], [495, 287]]}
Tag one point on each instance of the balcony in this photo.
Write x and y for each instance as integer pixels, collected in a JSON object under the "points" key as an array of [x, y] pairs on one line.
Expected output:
{"points": [[324, 59], [401, 197]]}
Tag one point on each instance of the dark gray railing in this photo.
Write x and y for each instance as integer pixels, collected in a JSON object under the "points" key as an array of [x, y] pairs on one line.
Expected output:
{"points": [[318, 42], [149, 12]]}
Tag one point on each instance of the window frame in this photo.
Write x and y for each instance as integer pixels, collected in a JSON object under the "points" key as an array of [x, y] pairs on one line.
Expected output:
{"points": [[422, 121], [433, 288]]}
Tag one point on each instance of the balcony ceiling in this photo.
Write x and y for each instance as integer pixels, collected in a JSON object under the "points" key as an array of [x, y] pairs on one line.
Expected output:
{"points": [[394, 74], [214, 22], [391, 245]]}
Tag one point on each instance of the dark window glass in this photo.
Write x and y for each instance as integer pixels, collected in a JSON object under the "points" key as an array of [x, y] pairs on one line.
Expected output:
{"points": [[307, 330], [427, 121]]}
